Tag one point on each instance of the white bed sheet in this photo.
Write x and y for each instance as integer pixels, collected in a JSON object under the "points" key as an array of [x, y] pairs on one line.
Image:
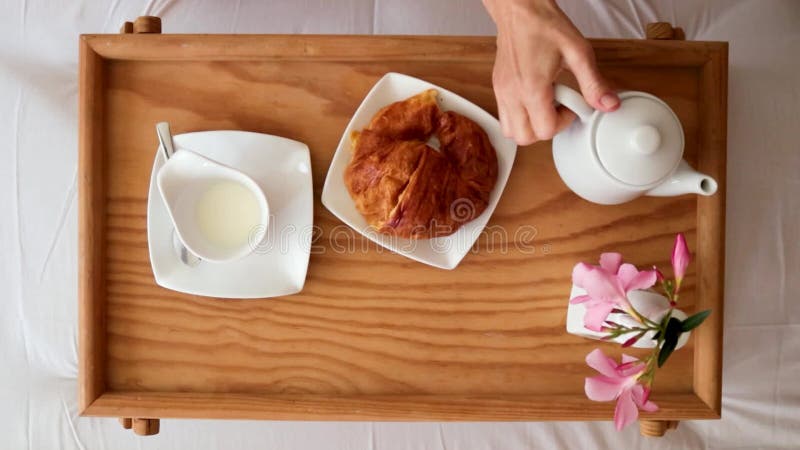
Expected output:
{"points": [[38, 228]]}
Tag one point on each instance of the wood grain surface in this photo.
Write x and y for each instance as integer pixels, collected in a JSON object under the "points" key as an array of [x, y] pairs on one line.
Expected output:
{"points": [[92, 235], [382, 407], [372, 328]]}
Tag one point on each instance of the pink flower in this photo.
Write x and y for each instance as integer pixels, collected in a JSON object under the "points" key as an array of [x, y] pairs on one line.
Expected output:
{"points": [[680, 259], [607, 286], [618, 382], [659, 276]]}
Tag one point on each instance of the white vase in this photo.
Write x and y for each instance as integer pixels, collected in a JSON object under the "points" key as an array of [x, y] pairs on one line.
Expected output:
{"points": [[650, 304]]}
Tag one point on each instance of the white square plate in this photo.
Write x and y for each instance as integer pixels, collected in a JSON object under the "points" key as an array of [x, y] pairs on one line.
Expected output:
{"points": [[444, 252], [282, 168]]}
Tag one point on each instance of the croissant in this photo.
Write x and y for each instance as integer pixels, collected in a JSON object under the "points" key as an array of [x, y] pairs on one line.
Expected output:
{"points": [[403, 186]]}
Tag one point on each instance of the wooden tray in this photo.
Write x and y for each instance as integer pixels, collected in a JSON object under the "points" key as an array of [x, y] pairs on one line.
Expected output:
{"points": [[373, 335]]}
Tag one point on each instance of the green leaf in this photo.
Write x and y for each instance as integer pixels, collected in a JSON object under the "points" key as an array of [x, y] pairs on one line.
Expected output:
{"points": [[665, 319], [671, 335], [657, 335], [694, 321]]}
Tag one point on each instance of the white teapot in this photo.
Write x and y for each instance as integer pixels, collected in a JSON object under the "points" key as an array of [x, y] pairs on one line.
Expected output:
{"points": [[612, 158]]}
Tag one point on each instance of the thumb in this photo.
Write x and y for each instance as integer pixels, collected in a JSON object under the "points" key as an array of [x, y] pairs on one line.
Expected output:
{"points": [[595, 89]]}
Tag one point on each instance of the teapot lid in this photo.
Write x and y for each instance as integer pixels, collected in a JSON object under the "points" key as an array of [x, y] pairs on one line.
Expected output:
{"points": [[641, 142]]}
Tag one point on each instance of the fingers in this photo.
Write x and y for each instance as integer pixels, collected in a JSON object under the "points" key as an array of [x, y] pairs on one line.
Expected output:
{"points": [[504, 125], [542, 113], [546, 119], [538, 120], [579, 58], [515, 123], [565, 117]]}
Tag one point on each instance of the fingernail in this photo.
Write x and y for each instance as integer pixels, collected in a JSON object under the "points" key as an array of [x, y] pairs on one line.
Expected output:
{"points": [[609, 101]]}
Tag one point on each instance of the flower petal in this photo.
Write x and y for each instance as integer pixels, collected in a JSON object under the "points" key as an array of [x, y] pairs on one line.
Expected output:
{"points": [[640, 395], [579, 299], [659, 275], [628, 358], [598, 361], [643, 280], [605, 287], [601, 388], [633, 279], [579, 273], [631, 369], [630, 366], [680, 256], [602, 285], [596, 315], [649, 407], [626, 411], [610, 262], [626, 272]]}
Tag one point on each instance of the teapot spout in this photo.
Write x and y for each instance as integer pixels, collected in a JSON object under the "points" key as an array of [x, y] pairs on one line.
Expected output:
{"points": [[685, 180]]}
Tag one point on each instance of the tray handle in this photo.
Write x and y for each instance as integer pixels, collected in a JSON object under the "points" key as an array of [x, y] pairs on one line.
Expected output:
{"points": [[656, 428], [664, 31], [141, 426], [142, 24]]}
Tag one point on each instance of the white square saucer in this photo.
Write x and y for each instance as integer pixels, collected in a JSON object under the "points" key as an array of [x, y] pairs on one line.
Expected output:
{"points": [[282, 168]]}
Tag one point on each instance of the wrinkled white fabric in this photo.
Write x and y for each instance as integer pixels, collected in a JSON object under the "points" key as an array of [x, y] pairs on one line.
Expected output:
{"points": [[38, 227]]}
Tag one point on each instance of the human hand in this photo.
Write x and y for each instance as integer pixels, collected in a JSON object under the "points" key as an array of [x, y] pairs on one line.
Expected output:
{"points": [[535, 40]]}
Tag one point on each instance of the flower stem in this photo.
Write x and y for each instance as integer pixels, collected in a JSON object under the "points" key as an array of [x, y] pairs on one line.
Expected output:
{"points": [[642, 319]]}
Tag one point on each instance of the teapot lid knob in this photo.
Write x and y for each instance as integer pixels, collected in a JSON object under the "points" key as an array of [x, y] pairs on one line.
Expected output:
{"points": [[646, 139]]}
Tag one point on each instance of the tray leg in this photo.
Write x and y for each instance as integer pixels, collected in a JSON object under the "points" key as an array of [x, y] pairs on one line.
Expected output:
{"points": [[126, 422], [656, 428], [142, 24], [663, 31], [145, 427], [147, 24]]}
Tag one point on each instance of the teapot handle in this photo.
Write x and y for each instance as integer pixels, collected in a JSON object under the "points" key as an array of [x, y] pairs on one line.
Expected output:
{"points": [[573, 100]]}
